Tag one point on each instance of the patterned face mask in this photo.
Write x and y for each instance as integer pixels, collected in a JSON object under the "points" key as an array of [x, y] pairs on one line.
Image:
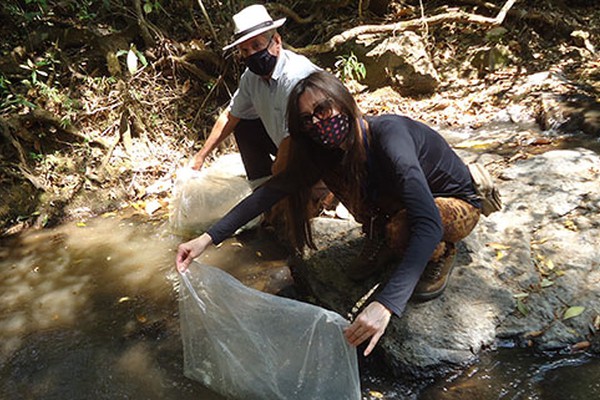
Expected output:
{"points": [[331, 132]]}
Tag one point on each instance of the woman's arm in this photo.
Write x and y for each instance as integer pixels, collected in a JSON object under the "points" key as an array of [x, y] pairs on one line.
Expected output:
{"points": [[399, 154], [258, 202]]}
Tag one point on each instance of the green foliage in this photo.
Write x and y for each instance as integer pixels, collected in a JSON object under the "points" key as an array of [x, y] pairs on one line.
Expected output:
{"points": [[8, 100], [36, 156], [28, 10], [350, 68], [521, 306], [83, 9], [151, 6], [41, 82]]}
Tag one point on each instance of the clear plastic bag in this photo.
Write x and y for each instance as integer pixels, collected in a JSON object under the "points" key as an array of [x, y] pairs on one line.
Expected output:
{"points": [[246, 344], [202, 197]]}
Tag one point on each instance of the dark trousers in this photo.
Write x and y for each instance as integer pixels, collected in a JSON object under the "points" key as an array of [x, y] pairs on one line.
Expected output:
{"points": [[256, 148]]}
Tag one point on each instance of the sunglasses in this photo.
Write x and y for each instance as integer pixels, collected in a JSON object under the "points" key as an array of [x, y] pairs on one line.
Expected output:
{"points": [[322, 111]]}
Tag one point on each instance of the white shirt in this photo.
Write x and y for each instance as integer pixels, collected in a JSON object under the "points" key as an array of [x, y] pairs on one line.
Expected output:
{"points": [[267, 100]]}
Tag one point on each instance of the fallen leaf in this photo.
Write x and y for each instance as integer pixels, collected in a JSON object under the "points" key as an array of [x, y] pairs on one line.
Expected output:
{"points": [[570, 225], [533, 334], [580, 346], [476, 144], [80, 224], [546, 283], [522, 307], [152, 206], [497, 246], [540, 241], [499, 255], [375, 394], [124, 299], [573, 312]]}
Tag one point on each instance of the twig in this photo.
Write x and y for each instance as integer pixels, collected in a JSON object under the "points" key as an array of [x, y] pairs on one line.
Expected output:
{"points": [[210, 26], [201, 108]]}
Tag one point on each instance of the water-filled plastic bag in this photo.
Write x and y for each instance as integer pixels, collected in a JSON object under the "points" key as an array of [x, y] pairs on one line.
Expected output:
{"points": [[246, 344], [200, 198]]}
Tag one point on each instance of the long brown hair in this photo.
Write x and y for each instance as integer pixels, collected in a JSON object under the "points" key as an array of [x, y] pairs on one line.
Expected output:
{"points": [[309, 160]]}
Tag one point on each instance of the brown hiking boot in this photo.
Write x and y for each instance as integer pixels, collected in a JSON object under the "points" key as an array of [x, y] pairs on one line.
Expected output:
{"points": [[374, 256], [435, 277]]}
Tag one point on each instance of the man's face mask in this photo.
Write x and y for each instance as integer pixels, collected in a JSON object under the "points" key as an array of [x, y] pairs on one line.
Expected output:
{"points": [[262, 62]]}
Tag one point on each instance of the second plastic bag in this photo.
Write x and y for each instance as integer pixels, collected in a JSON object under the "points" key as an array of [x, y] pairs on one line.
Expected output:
{"points": [[202, 197], [246, 344]]}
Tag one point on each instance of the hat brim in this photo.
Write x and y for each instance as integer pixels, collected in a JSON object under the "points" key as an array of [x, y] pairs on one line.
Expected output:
{"points": [[275, 25]]}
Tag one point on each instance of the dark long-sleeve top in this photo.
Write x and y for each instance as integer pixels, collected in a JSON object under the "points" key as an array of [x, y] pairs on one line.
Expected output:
{"points": [[409, 163]]}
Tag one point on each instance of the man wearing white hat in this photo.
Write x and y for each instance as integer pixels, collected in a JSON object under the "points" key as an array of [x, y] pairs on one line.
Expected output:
{"points": [[256, 113]]}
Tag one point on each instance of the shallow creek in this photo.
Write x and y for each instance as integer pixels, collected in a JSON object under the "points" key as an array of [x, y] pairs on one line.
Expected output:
{"points": [[89, 310]]}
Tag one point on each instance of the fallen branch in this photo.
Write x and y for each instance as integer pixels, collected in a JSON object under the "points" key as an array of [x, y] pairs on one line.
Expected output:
{"points": [[452, 16]]}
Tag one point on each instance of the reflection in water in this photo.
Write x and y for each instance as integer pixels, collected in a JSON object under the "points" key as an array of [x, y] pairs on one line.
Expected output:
{"points": [[91, 312], [517, 374]]}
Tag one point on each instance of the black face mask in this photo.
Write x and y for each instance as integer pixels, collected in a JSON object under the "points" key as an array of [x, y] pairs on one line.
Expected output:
{"points": [[262, 62]]}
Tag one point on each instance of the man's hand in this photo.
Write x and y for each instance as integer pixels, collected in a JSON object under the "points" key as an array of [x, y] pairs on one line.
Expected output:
{"points": [[198, 161], [186, 252], [370, 323]]}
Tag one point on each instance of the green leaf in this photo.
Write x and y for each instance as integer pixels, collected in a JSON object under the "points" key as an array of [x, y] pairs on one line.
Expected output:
{"points": [[522, 308], [141, 57], [148, 8], [573, 312]]}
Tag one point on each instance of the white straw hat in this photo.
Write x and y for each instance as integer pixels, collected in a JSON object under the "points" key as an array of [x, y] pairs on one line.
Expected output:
{"points": [[252, 21]]}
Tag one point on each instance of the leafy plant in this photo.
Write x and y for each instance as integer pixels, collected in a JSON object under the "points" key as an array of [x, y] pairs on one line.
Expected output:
{"points": [[150, 6], [350, 68], [83, 11], [36, 156], [8, 100], [133, 55]]}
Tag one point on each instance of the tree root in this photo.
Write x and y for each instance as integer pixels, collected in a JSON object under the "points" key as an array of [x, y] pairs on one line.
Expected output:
{"points": [[452, 16]]}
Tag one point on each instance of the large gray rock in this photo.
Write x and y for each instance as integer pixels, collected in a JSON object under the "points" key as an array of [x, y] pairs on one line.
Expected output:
{"points": [[401, 61], [541, 250]]}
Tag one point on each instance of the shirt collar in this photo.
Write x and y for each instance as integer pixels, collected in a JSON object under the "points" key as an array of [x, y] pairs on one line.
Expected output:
{"points": [[278, 70]]}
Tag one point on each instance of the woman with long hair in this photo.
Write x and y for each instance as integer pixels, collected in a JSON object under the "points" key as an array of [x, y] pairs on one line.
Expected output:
{"points": [[399, 178]]}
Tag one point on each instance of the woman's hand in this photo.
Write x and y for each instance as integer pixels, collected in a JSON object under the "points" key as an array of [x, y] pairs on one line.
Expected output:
{"points": [[186, 252], [370, 323]]}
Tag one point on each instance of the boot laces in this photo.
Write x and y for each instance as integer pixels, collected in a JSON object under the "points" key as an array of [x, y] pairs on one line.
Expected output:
{"points": [[434, 270]]}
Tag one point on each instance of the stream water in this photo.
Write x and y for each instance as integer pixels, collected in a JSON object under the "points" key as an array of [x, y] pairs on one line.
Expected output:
{"points": [[89, 310]]}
